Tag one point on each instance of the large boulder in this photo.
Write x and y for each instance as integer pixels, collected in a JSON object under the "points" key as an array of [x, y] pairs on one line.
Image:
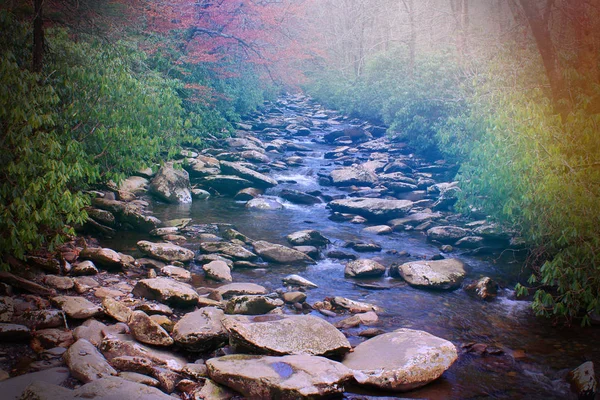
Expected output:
{"points": [[285, 378], [401, 360], [259, 180], [201, 330], [378, 209], [168, 252], [280, 254], [86, 363], [172, 185], [445, 274], [355, 175], [281, 335], [308, 237], [166, 290], [363, 268]]}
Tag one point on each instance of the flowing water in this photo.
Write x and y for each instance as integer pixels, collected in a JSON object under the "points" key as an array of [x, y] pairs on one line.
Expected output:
{"points": [[535, 355]]}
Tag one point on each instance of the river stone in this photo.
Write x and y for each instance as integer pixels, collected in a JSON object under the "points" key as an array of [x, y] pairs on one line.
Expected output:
{"points": [[139, 378], [255, 156], [218, 271], [59, 282], [12, 388], [445, 274], [355, 175], [103, 257], [363, 268], [134, 184], [485, 288], [280, 254], [282, 335], [285, 378], [41, 319], [247, 194], [140, 222], [447, 234], [583, 381], [77, 307], [86, 363], [308, 237], [166, 290], [353, 305], [227, 184], [11, 332], [294, 297], [378, 230], [263, 203], [165, 251], [372, 208], [84, 268], [237, 289], [259, 180], [201, 330], [401, 360], [368, 318], [296, 197], [7, 309], [251, 304], [102, 216], [90, 330], [230, 250], [297, 280], [172, 185], [413, 219], [470, 242], [200, 194], [178, 273], [145, 330], [118, 345]]}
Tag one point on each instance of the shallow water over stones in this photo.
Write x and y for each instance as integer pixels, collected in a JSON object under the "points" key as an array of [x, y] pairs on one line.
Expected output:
{"points": [[521, 357]]}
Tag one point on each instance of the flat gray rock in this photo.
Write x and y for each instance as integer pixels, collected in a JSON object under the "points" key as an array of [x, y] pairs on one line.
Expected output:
{"points": [[355, 175], [167, 291], [283, 335], [201, 330], [168, 252], [285, 378], [77, 307], [280, 254], [237, 289], [445, 274], [259, 180], [401, 360], [363, 268], [377, 209], [218, 271], [251, 304]]}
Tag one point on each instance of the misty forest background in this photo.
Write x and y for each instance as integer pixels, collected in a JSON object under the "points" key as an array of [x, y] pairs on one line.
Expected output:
{"points": [[93, 90]]}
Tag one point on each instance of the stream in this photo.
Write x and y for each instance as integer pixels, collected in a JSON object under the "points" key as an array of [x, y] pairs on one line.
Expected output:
{"points": [[531, 356]]}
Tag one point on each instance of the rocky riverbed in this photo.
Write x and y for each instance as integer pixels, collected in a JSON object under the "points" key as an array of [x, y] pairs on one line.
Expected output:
{"points": [[305, 257]]}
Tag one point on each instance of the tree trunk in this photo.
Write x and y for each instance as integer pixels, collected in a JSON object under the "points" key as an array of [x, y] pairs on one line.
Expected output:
{"points": [[543, 39], [38, 36]]}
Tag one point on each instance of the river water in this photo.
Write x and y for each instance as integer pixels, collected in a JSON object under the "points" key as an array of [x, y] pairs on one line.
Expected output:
{"points": [[535, 355]]}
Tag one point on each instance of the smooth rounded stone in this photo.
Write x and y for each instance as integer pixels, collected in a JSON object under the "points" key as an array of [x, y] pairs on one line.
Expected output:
{"points": [[294, 297], [139, 378], [445, 274], [259, 180], [309, 237], [134, 184], [485, 288], [102, 216], [109, 388], [294, 161], [401, 360], [297, 280], [470, 242], [247, 194], [7, 309], [171, 185], [145, 330], [84, 268], [285, 378], [263, 203], [230, 250], [377, 209], [11, 332], [583, 381], [362, 247], [118, 345], [281, 335], [296, 197], [237, 289], [160, 232], [378, 230], [251, 304], [310, 251], [90, 330], [178, 273], [86, 363], [446, 234], [355, 175], [255, 156], [166, 290], [12, 388], [77, 307], [280, 254], [59, 282], [341, 255], [200, 194], [165, 251], [201, 330], [354, 306], [103, 257], [363, 268], [368, 318], [218, 271]]}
